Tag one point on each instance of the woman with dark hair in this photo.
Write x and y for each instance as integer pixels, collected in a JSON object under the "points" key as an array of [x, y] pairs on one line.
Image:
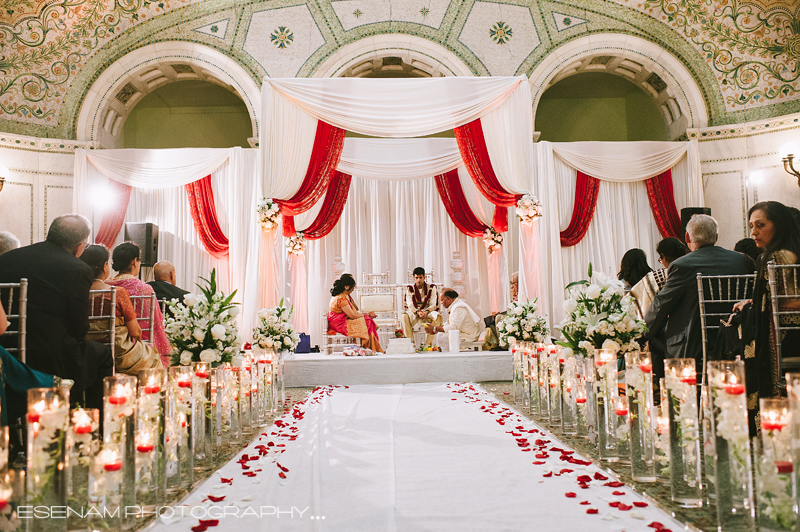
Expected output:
{"points": [[126, 260], [776, 232], [130, 353], [633, 267], [669, 250], [344, 318], [748, 247]]}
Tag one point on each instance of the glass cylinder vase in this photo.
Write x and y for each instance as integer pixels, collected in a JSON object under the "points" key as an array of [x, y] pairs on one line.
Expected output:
{"points": [[517, 374], [182, 379], [533, 378], [231, 423], [83, 445], [774, 468], [684, 432], [150, 438], [641, 415], [202, 400], [579, 397], [119, 430], [555, 391], [265, 373], [245, 408], [793, 393], [605, 361], [590, 387], [569, 388], [732, 479]]}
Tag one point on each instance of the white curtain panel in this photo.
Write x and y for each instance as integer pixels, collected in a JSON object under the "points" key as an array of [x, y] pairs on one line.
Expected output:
{"points": [[392, 107], [621, 161], [399, 159]]}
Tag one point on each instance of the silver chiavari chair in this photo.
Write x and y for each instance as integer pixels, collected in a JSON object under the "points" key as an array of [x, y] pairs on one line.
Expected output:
{"points": [[102, 317], [717, 295], [17, 313], [784, 290], [145, 307]]}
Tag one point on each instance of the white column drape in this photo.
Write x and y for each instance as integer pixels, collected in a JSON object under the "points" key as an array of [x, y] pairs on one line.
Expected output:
{"points": [[621, 161]]}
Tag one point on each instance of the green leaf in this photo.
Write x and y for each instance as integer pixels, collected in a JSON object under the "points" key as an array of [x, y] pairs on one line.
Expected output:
{"points": [[590, 270], [576, 283], [564, 344]]}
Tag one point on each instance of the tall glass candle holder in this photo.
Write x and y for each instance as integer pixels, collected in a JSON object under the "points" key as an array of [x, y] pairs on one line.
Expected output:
{"points": [[257, 413], [119, 430], [279, 382], [569, 388], [590, 387], [524, 355], [182, 378], [517, 374], [662, 450], [245, 388], [48, 422], [265, 369], [202, 397], [83, 445], [529, 350], [554, 379], [775, 468], [231, 408], [708, 443], [172, 439], [543, 383], [579, 397], [606, 393], [150, 438], [732, 479], [214, 414], [641, 415], [108, 489], [684, 430], [793, 393]]}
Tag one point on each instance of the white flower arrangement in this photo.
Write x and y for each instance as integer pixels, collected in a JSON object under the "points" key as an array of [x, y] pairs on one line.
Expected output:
{"points": [[274, 331], [492, 239], [203, 327], [296, 245], [521, 323], [268, 212], [528, 209], [600, 316]]}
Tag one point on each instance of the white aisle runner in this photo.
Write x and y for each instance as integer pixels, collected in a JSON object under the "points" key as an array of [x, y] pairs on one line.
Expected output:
{"points": [[411, 457]]}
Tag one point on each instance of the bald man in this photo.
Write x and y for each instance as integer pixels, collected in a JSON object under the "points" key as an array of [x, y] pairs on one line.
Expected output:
{"points": [[164, 285]]}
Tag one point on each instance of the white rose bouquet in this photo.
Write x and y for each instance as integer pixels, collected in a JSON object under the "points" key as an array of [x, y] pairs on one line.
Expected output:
{"points": [[600, 316], [492, 239], [528, 208], [521, 323], [274, 330], [268, 212], [203, 327], [296, 245]]}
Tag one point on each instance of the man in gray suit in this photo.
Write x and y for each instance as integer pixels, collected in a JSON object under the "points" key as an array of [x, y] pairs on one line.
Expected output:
{"points": [[677, 303]]}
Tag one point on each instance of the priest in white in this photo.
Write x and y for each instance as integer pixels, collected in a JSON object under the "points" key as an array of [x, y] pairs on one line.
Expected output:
{"points": [[462, 319]]}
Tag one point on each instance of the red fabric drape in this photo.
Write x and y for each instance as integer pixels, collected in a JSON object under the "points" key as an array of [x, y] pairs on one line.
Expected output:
{"points": [[112, 221], [455, 203], [472, 146], [332, 207], [204, 215], [586, 189], [325, 156], [662, 202]]}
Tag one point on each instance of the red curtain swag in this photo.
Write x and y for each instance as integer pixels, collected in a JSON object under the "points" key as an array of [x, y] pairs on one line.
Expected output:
{"points": [[332, 207], [472, 146], [662, 202], [586, 189], [455, 203], [325, 156], [111, 223], [204, 215]]}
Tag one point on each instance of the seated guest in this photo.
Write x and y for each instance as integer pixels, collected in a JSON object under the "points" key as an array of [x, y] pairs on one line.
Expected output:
{"points": [[130, 353], [126, 260], [16, 379], [677, 303], [164, 284], [748, 247], [422, 306], [633, 267], [344, 318], [462, 318], [58, 308], [8, 242]]}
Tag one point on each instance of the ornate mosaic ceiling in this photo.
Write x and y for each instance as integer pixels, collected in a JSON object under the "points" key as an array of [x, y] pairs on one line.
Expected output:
{"points": [[744, 54]]}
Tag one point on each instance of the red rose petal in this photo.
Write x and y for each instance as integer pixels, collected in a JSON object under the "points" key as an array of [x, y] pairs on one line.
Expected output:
{"points": [[585, 503], [227, 480], [618, 493], [539, 462], [624, 507], [640, 504], [614, 484], [565, 471], [281, 474], [284, 469], [592, 511], [656, 525], [216, 499], [550, 474], [584, 486], [209, 522], [584, 478], [199, 528], [570, 495], [599, 476], [615, 504]]}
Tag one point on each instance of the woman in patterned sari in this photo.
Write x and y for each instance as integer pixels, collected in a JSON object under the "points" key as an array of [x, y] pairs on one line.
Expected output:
{"points": [[776, 232], [344, 318], [126, 261]]}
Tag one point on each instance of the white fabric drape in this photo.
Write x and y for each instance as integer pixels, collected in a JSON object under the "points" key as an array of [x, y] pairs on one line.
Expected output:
{"points": [[399, 159], [298, 285], [530, 250], [622, 220], [620, 161], [152, 168], [392, 107]]}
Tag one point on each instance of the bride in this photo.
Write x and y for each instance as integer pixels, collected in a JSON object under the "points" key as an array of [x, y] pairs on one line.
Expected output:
{"points": [[344, 318]]}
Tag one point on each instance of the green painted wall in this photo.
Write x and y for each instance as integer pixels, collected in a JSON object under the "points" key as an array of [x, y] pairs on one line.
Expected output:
{"points": [[188, 114], [595, 106]]}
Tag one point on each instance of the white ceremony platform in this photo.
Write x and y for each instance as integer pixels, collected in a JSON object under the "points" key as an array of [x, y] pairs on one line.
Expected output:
{"points": [[315, 369], [415, 457]]}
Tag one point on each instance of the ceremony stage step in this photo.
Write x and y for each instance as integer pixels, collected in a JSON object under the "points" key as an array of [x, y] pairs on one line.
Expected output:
{"points": [[314, 369]]}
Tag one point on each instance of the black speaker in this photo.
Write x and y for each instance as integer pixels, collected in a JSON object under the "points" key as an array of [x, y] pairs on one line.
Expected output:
{"points": [[146, 236], [686, 215]]}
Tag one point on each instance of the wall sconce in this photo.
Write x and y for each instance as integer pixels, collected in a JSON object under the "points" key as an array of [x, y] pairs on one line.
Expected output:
{"points": [[786, 153], [4, 173]]}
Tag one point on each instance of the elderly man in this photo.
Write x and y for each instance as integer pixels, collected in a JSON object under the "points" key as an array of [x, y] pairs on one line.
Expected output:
{"points": [[8, 241], [462, 319], [677, 303], [164, 285], [58, 308], [422, 306]]}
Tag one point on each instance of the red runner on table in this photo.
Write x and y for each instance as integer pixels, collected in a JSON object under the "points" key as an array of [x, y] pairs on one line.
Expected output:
{"points": [[204, 216]]}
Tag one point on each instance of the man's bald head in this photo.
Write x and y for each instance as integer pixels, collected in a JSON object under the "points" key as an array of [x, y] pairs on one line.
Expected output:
{"points": [[164, 271]]}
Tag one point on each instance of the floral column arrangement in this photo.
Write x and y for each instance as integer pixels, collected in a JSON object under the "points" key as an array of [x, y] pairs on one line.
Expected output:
{"points": [[731, 444], [684, 431], [274, 334], [775, 491], [641, 415]]}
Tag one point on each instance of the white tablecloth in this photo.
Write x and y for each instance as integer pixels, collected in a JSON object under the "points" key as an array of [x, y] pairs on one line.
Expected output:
{"points": [[315, 369], [415, 457]]}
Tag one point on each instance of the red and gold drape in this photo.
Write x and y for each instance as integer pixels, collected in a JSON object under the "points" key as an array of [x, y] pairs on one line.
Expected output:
{"points": [[455, 203], [111, 223], [586, 189], [332, 207], [662, 202], [204, 216]]}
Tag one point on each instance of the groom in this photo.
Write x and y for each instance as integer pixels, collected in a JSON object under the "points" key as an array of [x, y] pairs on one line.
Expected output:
{"points": [[462, 319]]}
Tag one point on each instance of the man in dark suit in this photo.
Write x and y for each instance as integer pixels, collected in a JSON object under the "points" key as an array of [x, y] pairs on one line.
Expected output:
{"points": [[164, 285], [58, 308], [677, 303]]}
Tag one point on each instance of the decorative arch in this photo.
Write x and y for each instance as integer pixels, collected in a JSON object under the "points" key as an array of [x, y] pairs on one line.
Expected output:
{"points": [[425, 57], [116, 91], [659, 73]]}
